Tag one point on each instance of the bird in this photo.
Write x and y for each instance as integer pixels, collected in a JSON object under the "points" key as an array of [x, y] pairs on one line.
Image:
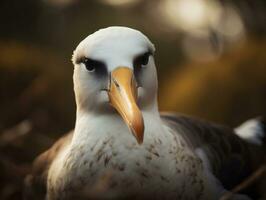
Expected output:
{"points": [[123, 147]]}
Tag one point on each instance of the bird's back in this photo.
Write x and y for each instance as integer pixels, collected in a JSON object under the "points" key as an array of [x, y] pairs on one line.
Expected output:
{"points": [[231, 158]]}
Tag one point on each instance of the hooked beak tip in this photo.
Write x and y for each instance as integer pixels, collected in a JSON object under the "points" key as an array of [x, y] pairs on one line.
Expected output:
{"points": [[138, 135]]}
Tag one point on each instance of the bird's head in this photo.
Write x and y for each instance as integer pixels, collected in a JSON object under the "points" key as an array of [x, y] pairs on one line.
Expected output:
{"points": [[114, 68]]}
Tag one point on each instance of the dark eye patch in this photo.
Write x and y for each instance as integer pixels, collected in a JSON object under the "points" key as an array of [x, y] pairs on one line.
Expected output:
{"points": [[142, 59], [139, 62], [94, 66]]}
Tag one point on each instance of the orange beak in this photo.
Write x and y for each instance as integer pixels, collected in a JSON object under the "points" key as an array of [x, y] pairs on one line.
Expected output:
{"points": [[123, 97]]}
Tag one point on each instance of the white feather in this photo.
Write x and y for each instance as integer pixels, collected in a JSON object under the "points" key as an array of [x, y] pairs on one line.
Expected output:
{"points": [[251, 131]]}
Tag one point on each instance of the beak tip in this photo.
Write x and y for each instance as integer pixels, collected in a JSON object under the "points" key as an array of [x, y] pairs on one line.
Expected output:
{"points": [[140, 142], [139, 137]]}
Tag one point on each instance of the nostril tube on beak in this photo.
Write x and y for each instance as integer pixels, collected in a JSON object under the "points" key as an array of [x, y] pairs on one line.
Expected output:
{"points": [[115, 82]]}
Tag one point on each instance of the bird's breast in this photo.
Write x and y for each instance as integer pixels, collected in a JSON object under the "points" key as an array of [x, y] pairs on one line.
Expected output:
{"points": [[109, 168]]}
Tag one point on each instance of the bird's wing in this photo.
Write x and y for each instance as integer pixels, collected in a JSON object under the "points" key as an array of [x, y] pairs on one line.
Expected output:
{"points": [[230, 157], [36, 182]]}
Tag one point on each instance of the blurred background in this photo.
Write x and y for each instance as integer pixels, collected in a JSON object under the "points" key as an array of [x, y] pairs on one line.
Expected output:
{"points": [[211, 60]]}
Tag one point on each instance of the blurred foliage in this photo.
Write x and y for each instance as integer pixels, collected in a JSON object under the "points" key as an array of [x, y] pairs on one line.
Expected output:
{"points": [[215, 69], [229, 90]]}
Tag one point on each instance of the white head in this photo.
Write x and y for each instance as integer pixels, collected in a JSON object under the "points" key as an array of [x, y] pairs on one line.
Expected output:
{"points": [[114, 67]]}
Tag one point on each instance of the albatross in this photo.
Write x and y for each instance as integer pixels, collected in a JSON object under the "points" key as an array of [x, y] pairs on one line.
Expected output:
{"points": [[122, 147]]}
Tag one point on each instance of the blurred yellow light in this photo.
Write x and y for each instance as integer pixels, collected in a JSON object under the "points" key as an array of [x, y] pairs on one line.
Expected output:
{"points": [[120, 2], [190, 14], [230, 25]]}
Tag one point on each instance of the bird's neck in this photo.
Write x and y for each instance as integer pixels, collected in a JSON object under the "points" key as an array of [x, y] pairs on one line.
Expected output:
{"points": [[93, 126]]}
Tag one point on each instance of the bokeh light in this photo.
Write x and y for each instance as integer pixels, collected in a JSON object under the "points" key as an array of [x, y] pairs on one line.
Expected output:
{"points": [[230, 24], [208, 27], [120, 2], [190, 14]]}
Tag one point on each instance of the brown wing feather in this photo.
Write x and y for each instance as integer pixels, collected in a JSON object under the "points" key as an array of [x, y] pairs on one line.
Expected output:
{"points": [[35, 183], [232, 159]]}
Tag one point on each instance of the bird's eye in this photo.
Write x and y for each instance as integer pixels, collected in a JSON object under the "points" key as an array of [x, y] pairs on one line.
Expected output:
{"points": [[90, 64], [98, 68], [141, 60], [144, 59]]}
